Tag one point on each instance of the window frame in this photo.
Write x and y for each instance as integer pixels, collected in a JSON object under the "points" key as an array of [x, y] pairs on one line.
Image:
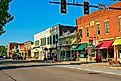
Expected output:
{"points": [[106, 26], [120, 24], [98, 29], [80, 33], [87, 31]]}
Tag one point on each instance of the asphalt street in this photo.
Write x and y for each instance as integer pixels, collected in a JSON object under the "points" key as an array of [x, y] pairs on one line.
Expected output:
{"points": [[54, 73]]}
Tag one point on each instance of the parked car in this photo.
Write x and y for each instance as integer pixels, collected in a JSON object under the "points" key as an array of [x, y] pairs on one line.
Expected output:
{"points": [[1, 57]]}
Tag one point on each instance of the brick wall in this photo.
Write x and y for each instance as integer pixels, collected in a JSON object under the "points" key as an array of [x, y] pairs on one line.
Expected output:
{"points": [[100, 16]]}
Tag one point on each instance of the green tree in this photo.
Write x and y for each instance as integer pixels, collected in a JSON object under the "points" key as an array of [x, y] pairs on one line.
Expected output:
{"points": [[5, 16], [2, 50]]}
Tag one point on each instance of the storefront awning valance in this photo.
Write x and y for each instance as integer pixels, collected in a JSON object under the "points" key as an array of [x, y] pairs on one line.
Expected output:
{"points": [[117, 42], [99, 45], [75, 47], [104, 45], [82, 46]]}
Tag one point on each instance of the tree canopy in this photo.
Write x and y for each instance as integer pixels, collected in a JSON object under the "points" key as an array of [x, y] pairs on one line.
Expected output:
{"points": [[5, 16]]}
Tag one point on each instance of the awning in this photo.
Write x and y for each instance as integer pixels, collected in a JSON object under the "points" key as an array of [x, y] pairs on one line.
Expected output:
{"points": [[117, 42], [105, 45], [99, 45], [75, 47], [82, 46]]}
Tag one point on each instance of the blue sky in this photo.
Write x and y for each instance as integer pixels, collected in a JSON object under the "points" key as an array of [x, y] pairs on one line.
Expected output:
{"points": [[33, 16]]}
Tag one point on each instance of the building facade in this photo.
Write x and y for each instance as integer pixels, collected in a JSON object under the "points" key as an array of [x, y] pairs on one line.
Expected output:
{"points": [[11, 49], [67, 41], [101, 28], [27, 49], [48, 43]]}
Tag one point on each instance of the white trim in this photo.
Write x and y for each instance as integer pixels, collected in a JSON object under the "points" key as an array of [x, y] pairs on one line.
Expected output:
{"points": [[80, 27], [87, 26], [98, 22], [119, 16], [106, 20], [106, 39]]}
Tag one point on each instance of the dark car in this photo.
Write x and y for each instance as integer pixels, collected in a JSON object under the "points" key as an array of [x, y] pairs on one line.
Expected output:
{"points": [[17, 57], [1, 57]]}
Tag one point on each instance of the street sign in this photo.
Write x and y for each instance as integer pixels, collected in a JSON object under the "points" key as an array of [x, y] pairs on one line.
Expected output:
{"points": [[103, 6]]}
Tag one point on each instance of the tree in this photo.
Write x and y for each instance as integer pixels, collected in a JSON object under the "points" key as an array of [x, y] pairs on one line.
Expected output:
{"points": [[5, 16], [2, 50]]}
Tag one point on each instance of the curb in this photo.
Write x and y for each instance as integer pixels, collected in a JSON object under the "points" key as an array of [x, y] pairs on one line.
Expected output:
{"points": [[116, 68]]}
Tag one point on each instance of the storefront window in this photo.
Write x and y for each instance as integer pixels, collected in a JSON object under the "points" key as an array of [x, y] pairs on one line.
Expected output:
{"points": [[119, 53], [82, 55]]}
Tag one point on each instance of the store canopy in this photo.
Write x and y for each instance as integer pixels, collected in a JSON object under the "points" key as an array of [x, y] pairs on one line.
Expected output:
{"points": [[99, 45], [82, 46], [104, 45], [75, 47], [117, 42]]}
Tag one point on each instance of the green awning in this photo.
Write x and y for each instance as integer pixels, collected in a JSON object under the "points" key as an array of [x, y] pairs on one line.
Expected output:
{"points": [[82, 46], [75, 48]]}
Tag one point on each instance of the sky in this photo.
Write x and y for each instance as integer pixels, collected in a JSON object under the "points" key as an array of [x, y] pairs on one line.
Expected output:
{"points": [[34, 16]]}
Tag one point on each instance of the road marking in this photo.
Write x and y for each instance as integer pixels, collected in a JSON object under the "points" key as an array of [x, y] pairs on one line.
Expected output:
{"points": [[99, 71]]}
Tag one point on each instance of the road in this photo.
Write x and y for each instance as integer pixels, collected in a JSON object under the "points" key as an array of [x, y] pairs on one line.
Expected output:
{"points": [[53, 73]]}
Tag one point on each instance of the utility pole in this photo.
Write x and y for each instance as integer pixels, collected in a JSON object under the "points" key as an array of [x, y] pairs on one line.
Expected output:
{"points": [[86, 5]]}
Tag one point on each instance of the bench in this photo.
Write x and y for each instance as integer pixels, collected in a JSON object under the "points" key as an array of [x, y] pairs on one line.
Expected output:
{"points": [[113, 63]]}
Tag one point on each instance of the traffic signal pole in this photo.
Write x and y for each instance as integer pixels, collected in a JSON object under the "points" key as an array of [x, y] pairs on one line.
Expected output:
{"points": [[77, 4]]}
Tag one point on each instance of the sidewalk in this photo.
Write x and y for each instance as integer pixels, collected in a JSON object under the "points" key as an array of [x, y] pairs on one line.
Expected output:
{"points": [[97, 65]]}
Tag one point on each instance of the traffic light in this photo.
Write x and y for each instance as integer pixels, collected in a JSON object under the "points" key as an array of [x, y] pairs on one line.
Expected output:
{"points": [[86, 7], [63, 6]]}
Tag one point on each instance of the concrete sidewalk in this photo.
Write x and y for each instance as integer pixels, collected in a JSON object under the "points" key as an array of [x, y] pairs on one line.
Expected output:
{"points": [[94, 64]]}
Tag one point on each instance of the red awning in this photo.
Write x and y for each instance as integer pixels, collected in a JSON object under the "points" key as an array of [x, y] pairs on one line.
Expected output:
{"points": [[99, 45], [105, 45]]}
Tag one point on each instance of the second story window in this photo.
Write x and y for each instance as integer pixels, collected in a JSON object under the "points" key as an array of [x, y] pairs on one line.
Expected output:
{"points": [[37, 43], [56, 38], [44, 41], [87, 32], [50, 39], [120, 24], [106, 25], [97, 29], [53, 39], [80, 32]]}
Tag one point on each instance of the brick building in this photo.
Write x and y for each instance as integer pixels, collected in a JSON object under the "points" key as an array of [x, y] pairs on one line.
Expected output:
{"points": [[101, 28]]}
